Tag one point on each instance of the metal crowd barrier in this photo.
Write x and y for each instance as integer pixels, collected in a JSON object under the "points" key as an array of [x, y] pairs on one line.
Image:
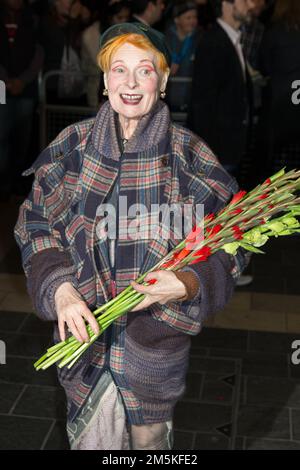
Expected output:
{"points": [[55, 117]]}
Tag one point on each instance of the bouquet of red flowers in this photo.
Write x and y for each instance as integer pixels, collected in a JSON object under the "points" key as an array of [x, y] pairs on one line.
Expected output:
{"points": [[248, 221]]}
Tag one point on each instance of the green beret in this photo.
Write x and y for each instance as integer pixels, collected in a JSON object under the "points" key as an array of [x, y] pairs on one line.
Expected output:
{"points": [[155, 37]]}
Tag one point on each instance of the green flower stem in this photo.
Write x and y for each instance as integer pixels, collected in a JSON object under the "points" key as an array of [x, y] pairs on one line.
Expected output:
{"points": [[117, 306], [74, 355], [40, 361], [112, 301], [121, 300], [127, 292], [77, 357], [70, 354], [64, 347], [57, 356], [103, 326], [125, 306], [77, 352], [59, 345]]}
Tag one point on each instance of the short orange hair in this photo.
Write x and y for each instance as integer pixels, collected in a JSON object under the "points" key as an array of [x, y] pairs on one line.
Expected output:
{"points": [[105, 55]]}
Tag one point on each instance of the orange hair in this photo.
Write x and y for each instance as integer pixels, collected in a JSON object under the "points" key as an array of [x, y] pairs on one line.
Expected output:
{"points": [[105, 55]]}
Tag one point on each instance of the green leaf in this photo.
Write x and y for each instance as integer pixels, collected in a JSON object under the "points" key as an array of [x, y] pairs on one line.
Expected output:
{"points": [[231, 248], [276, 227], [288, 232], [261, 241], [251, 248], [291, 221], [277, 175], [255, 238], [294, 210]]}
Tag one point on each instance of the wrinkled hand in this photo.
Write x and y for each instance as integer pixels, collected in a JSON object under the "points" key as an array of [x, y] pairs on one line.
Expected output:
{"points": [[167, 289], [72, 310]]}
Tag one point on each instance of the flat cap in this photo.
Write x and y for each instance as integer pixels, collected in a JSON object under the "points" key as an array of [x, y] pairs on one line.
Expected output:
{"points": [[155, 37]]}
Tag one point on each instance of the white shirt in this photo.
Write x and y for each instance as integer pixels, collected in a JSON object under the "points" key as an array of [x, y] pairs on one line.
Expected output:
{"points": [[235, 37]]}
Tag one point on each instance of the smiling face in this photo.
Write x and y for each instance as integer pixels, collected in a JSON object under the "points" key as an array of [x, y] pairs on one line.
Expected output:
{"points": [[134, 81]]}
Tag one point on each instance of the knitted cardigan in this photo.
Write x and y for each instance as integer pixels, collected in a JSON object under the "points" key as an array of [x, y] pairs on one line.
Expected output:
{"points": [[163, 163]]}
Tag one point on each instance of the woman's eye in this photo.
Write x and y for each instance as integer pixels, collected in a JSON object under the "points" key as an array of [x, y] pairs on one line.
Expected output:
{"points": [[146, 72], [118, 70]]}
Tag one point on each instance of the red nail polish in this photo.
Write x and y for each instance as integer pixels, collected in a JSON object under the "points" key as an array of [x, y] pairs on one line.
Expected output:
{"points": [[152, 281]]}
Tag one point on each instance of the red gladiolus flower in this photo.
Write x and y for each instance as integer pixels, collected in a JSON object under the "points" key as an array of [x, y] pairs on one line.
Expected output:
{"points": [[268, 181], [168, 263], [214, 230], [209, 217], [195, 233], [236, 211], [194, 238], [271, 206], [237, 232], [204, 252], [201, 255], [263, 196], [237, 197], [182, 254], [195, 261]]}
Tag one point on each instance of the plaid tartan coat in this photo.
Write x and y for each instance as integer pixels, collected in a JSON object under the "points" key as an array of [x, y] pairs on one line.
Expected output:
{"points": [[163, 163]]}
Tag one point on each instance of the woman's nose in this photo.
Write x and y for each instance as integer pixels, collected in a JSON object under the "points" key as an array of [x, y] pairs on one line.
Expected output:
{"points": [[132, 80]]}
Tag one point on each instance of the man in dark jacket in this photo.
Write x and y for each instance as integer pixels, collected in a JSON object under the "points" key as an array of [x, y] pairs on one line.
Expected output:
{"points": [[21, 59], [219, 109], [147, 11]]}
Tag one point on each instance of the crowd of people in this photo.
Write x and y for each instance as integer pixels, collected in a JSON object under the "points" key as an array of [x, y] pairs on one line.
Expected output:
{"points": [[237, 59]]}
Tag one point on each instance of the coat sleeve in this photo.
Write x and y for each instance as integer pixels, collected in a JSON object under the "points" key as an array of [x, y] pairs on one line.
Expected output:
{"points": [[45, 259]]}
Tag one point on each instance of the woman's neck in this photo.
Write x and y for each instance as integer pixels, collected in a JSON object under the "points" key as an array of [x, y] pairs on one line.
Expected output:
{"points": [[127, 126]]}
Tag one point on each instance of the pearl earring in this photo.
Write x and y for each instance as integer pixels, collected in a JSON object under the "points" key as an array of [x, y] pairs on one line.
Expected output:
{"points": [[162, 94], [105, 92]]}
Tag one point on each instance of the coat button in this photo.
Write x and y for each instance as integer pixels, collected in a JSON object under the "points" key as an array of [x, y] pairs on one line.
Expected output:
{"points": [[164, 161], [59, 155]]}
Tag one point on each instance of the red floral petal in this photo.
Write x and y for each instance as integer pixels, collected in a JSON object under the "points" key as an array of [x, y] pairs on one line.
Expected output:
{"points": [[214, 230], [209, 217], [195, 233], [182, 254], [268, 181], [236, 211], [237, 197], [167, 264]]}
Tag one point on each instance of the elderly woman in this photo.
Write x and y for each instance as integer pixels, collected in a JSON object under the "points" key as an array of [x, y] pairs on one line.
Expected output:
{"points": [[123, 391]]}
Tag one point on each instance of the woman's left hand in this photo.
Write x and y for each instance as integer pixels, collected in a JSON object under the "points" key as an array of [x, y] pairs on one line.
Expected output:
{"points": [[167, 288]]}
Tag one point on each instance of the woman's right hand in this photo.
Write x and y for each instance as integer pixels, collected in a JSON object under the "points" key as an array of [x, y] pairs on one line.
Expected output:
{"points": [[72, 310]]}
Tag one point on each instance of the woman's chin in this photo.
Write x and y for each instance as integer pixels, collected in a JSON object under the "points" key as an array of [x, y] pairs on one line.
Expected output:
{"points": [[129, 112]]}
